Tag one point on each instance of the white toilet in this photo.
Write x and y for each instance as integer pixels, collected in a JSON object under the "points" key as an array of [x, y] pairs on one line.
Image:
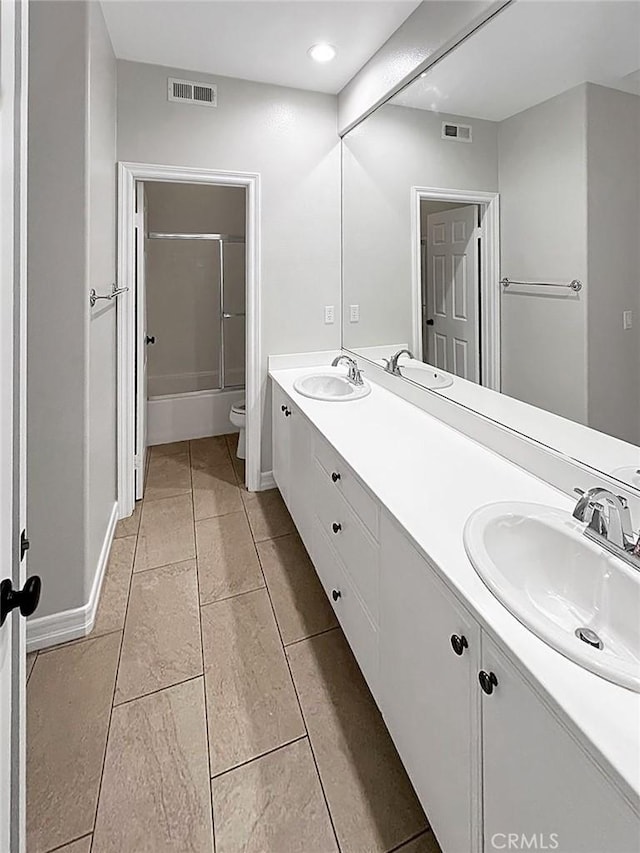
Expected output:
{"points": [[238, 417]]}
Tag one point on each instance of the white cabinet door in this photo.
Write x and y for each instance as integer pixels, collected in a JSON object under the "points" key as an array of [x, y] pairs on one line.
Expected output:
{"points": [[281, 429], [428, 692], [300, 475], [540, 787]]}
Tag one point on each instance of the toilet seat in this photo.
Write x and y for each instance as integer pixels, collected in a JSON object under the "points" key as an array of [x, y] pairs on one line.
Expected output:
{"points": [[239, 408]]}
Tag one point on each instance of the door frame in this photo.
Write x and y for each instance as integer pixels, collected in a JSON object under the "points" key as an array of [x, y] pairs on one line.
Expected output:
{"points": [[128, 175], [14, 46], [489, 204]]}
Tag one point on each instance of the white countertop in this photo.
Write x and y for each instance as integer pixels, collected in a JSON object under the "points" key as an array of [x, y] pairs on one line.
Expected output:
{"points": [[431, 478]]}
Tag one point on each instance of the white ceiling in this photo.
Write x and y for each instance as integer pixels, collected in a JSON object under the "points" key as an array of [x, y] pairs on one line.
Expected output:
{"points": [[531, 52], [263, 40]]}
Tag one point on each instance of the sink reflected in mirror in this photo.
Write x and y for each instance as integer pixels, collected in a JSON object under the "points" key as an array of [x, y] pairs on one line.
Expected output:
{"points": [[331, 387], [572, 594]]}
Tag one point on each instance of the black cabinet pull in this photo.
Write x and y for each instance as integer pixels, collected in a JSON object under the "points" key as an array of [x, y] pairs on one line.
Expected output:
{"points": [[488, 681], [459, 643], [287, 414], [335, 477], [336, 594], [26, 599], [283, 408], [336, 527]]}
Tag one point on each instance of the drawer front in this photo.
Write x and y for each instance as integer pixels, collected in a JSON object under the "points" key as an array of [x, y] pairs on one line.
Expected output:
{"points": [[342, 480], [352, 615], [354, 545]]}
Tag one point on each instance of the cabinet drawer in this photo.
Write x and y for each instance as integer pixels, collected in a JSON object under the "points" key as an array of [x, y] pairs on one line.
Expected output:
{"points": [[352, 542], [342, 480], [352, 615]]}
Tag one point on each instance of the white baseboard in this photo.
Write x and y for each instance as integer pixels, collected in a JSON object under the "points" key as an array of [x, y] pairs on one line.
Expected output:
{"points": [[267, 481], [78, 622]]}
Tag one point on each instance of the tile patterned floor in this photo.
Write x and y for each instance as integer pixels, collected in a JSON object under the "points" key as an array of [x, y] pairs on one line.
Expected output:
{"points": [[216, 705]]}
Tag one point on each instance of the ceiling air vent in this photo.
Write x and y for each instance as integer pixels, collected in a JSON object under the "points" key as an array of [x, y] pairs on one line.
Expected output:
{"points": [[192, 92], [457, 132]]}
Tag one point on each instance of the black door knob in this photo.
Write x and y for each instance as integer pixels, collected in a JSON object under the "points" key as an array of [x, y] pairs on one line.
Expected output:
{"points": [[335, 477], [487, 681], [26, 598], [459, 643], [150, 339], [336, 527], [429, 322], [336, 594]]}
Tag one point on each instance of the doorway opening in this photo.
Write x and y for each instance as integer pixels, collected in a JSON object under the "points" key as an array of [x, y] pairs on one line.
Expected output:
{"points": [[456, 283], [188, 337]]}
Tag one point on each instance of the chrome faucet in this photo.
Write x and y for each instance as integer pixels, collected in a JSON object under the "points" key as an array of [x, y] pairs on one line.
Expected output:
{"points": [[393, 367], [355, 374], [608, 521]]}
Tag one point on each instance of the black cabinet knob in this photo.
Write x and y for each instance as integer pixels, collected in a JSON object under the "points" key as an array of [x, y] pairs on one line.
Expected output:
{"points": [[287, 414], [488, 681], [336, 527], [459, 643], [336, 594], [283, 408], [26, 598], [335, 477]]}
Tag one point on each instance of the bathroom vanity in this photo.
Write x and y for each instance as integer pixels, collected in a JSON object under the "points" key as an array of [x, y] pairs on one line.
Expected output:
{"points": [[502, 736]]}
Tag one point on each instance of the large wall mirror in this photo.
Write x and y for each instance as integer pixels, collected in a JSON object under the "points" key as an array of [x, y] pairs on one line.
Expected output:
{"points": [[491, 227]]}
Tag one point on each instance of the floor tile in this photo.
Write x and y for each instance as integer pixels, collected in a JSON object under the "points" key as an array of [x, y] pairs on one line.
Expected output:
{"points": [[372, 803], [208, 452], [425, 843], [161, 644], [273, 805], [129, 526], [155, 793], [68, 706], [268, 516], [115, 587], [82, 845], [238, 464], [31, 659], [169, 474], [169, 449], [166, 533], [227, 559], [215, 490], [252, 706], [300, 603]]}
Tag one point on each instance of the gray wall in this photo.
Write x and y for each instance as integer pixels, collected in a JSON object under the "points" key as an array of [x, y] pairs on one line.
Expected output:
{"points": [[543, 212], [289, 137], [183, 287], [71, 356], [393, 150], [427, 33], [613, 162], [101, 186]]}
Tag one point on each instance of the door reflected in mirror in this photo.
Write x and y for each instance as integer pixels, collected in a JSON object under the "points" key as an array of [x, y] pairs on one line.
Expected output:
{"points": [[491, 226]]}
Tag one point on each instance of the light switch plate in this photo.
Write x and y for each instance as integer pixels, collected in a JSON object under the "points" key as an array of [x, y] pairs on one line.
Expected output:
{"points": [[354, 313], [329, 314], [627, 320]]}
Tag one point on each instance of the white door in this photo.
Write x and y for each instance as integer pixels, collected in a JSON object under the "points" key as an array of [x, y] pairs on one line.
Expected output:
{"points": [[540, 787], [13, 84], [429, 650], [141, 340], [452, 292]]}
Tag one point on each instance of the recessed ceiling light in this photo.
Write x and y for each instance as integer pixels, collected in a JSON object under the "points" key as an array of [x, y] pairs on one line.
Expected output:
{"points": [[322, 52]]}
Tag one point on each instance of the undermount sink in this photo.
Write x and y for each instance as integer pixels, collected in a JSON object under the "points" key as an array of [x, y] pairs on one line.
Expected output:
{"points": [[425, 375], [331, 387], [574, 595]]}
